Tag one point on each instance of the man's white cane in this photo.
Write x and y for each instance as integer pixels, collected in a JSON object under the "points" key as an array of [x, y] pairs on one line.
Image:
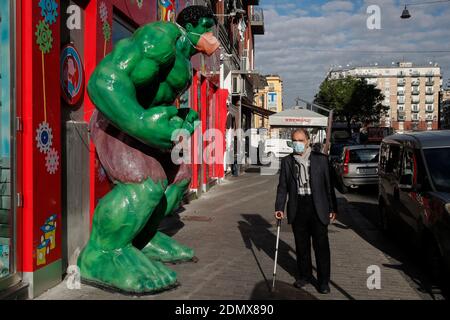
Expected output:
{"points": [[276, 253]]}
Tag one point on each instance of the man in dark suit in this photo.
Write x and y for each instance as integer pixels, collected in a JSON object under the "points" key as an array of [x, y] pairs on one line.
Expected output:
{"points": [[305, 177]]}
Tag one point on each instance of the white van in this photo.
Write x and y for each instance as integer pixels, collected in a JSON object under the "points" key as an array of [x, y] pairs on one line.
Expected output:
{"points": [[278, 148]]}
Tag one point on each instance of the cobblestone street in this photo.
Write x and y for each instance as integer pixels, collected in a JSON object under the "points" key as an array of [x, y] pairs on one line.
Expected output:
{"points": [[233, 232]]}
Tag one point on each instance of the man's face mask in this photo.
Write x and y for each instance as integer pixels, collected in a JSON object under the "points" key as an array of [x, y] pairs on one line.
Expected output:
{"points": [[207, 44], [299, 147]]}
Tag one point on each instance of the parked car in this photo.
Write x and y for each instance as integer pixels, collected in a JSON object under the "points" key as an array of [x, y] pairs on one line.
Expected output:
{"points": [[277, 148], [414, 194], [337, 148], [357, 166]]}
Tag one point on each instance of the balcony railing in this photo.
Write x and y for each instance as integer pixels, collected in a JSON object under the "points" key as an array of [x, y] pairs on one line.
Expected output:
{"points": [[415, 83], [415, 92], [429, 91], [429, 83], [415, 108], [429, 108], [401, 83], [257, 20], [429, 100], [415, 100], [401, 93]]}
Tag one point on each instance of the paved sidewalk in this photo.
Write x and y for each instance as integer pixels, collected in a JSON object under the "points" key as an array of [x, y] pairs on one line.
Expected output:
{"points": [[233, 232]]}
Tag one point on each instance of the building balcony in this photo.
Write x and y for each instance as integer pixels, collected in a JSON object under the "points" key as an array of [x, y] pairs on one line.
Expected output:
{"points": [[429, 108], [429, 100], [429, 92], [250, 2], [415, 92], [429, 83], [415, 100], [415, 83], [415, 108], [401, 83], [415, 117], [401, 93], [257, 20]]}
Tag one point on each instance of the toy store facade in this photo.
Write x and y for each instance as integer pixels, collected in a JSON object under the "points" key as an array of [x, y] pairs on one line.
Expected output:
{"points": [[51, 178]]}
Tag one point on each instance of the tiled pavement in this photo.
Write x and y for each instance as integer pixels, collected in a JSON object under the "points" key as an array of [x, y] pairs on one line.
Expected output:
{"points": [[233, 231]]}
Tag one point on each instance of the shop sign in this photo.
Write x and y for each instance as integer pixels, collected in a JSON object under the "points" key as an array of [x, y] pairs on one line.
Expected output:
{"points": [[72, 75]]}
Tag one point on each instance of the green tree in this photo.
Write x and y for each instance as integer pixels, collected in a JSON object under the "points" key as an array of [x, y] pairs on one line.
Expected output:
{"points": [[352, 99]]}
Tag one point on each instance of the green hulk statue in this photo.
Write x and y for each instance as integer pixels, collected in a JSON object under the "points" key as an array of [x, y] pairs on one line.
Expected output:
{"points": [[133, 129]]}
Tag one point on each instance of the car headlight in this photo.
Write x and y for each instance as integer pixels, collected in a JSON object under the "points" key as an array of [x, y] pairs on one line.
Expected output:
{"points": [[447, 207]]}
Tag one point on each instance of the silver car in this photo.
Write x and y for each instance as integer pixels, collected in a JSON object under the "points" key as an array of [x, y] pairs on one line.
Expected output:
{"points": [[357, 166]]}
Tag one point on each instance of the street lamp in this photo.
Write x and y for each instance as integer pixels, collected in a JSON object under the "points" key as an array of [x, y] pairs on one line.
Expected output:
{"points": [[407, 15]]}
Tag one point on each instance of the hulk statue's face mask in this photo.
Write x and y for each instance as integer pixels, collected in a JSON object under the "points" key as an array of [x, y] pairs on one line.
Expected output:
{"points": [[207, 43]]}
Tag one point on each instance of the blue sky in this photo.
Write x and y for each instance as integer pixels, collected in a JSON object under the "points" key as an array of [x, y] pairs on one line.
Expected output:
{"points": [[305, 38]]}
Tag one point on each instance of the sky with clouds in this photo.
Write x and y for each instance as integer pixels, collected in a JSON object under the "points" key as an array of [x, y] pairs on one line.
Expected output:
{"points": [[305, 38]]}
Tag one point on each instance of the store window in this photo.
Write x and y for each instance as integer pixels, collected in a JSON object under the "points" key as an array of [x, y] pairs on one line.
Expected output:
{"points": [[121, 29], [7, 215]]}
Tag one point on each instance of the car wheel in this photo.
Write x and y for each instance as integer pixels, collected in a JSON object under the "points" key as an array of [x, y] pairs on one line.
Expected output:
{"points": [[433, 261], [343, 188], [270, 158], [385, 220]]}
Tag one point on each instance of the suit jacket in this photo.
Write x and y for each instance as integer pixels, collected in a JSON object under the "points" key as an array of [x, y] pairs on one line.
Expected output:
{"points": [[322, 189]]}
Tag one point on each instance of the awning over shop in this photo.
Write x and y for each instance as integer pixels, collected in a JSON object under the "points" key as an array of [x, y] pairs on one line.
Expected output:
{"points": [[298, 118], [255, 109]]}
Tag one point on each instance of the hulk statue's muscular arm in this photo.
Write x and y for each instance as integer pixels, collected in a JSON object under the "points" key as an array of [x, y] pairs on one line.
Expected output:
{"points": [[136, 62]]}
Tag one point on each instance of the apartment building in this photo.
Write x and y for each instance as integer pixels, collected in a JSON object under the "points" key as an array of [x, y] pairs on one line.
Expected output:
{"points": [[269, 97], [411, 93]]}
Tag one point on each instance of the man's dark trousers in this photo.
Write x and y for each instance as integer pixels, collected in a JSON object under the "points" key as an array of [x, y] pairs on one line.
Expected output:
{"points": [[307, 225]]}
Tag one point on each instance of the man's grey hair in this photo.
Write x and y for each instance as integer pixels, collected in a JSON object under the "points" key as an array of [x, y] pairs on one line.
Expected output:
{"points": [[302, 130]]}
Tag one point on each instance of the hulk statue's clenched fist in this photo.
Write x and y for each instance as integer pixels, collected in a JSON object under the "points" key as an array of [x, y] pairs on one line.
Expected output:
{"points": [[134, 89]]}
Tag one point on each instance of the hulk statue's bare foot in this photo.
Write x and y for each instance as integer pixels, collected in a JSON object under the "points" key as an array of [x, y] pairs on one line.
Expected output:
{"points": [[126, 270], [165, 249]]}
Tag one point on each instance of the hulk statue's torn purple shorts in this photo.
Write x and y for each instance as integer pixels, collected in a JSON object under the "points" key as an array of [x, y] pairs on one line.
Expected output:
{"points": [[128, 160]]}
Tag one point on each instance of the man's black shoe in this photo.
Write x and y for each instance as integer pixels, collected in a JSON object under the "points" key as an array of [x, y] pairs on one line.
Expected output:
{"points": [[300, 283], [324, 289]]}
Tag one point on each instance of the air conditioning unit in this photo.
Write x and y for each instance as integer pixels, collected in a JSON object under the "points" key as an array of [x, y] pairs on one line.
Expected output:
{"points": [[236, 84]]}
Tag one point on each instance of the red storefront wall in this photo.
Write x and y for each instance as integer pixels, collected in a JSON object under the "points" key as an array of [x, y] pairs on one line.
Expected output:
{"points": [[39, 149]]}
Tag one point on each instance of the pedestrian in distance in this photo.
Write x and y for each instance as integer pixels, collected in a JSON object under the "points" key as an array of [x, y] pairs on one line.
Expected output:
{"points": [[311, 204]]}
